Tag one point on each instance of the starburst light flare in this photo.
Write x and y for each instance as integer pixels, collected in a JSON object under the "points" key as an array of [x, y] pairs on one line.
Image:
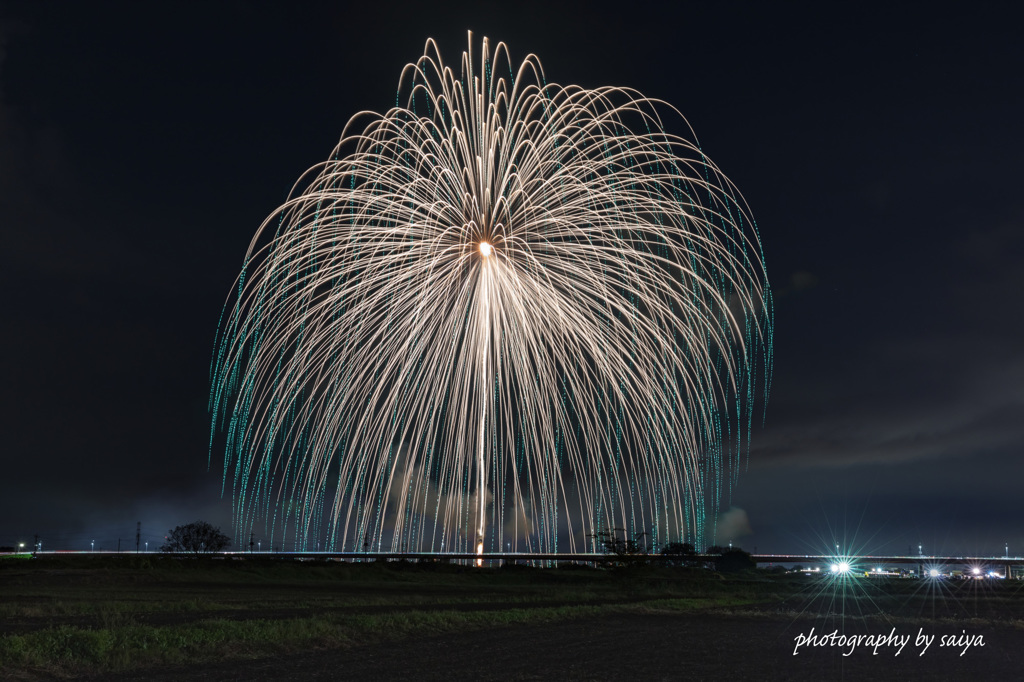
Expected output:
{"points": [[505, 315]]}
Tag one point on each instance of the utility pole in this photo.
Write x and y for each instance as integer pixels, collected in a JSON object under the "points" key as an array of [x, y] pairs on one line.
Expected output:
{"points": [[138, 533]]}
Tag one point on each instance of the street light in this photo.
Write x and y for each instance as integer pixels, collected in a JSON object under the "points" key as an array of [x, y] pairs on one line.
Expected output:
{"points": [[92, 545]]}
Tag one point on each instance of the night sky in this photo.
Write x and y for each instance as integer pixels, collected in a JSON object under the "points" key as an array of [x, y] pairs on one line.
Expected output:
{"points": [[881, 151]]}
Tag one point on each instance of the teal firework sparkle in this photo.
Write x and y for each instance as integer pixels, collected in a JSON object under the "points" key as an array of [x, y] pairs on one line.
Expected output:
{"points": [[506, 314]]}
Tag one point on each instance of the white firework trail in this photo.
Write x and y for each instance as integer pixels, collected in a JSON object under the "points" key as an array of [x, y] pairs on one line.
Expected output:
{"points": [[505, 314]]}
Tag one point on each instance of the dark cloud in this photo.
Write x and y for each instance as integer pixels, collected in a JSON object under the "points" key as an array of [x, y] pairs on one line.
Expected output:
{"points": [[912, 418], [943, 399]]}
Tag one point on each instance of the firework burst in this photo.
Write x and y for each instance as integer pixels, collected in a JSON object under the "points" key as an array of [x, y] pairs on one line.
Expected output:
{"points": [[505, 314]]}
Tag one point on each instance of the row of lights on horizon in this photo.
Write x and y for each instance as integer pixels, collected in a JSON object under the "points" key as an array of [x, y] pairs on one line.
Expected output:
{"points": [[92, 545], [920, 550], [259, 546]]}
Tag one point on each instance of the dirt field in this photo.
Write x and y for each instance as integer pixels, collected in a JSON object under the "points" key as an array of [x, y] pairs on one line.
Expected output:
{"points": [[628, 647], [641, 624]]}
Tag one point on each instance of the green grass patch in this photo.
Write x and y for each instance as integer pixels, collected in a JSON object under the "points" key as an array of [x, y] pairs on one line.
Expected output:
{"points": [[79, 615], [67, 650]]}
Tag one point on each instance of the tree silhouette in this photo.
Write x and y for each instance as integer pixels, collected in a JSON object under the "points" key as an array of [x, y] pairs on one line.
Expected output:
{"points": [[611, 543], [682, 553], [197, 537], [734, 560]]}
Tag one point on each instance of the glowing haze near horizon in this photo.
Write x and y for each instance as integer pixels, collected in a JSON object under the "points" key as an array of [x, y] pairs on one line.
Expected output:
{"points": [[505, 314]]}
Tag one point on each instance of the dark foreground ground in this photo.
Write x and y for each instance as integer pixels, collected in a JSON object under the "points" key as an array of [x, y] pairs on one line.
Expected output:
{"points": [[644, 624], [628, 647]]}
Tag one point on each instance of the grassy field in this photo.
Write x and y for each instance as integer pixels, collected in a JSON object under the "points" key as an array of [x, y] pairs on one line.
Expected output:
{"points": [[75, 616], [83, 615]]}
